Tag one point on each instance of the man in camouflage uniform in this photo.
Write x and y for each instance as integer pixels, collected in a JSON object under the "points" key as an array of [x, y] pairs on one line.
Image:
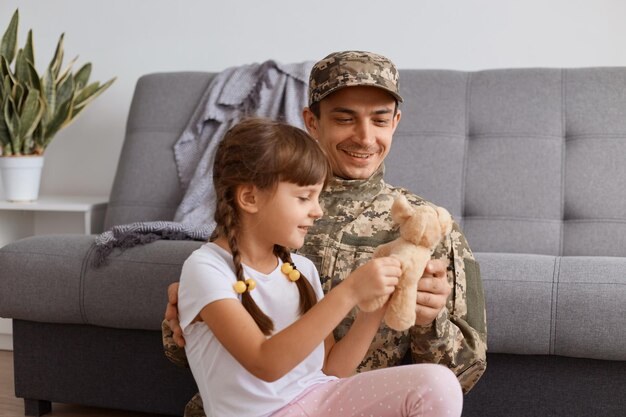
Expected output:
{"points": [[353, 112]]}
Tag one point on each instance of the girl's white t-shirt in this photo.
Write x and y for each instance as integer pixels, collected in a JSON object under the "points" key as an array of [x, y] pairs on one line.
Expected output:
{"points": [[226, 387]]}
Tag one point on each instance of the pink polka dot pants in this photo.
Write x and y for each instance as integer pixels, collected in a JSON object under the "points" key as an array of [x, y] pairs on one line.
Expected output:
{"points": [[423, 390]]}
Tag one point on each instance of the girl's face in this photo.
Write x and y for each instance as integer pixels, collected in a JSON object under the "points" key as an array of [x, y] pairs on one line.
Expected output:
{"points": [[286, 213]]}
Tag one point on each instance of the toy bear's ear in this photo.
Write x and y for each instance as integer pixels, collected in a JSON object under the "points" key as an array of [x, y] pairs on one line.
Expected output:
{"points": [[445, 221], [401, 210]]}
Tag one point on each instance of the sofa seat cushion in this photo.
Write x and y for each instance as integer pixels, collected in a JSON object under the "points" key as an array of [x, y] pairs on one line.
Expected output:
{"points": [[51, 279], [570, 306]]}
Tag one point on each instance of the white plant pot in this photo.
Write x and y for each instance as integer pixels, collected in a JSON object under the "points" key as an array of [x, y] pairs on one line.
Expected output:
{"points": [[21, 176]]}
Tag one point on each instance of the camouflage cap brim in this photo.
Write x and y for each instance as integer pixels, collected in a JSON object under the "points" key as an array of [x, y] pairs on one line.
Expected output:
{"points": [[350, 69]]}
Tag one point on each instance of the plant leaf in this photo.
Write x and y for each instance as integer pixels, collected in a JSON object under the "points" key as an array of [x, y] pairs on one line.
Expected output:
{"points": [[5, 138], [31, 114], [65, 89], [66, 71], [86, 92], [18, 97], [89, 94], [29, 50], [81, 78], [33, 76], [57, 121], [38, 136], [5, 135], [21, 68], [57, 59], [13, 124], [6, 87], [6, 70], [8, 45], [49, 94]]}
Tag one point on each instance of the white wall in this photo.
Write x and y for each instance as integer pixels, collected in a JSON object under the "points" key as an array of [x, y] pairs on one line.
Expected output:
{"points": [[128, 38]]}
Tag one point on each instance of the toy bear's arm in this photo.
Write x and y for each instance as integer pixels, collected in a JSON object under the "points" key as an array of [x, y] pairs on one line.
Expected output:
{"points": [[400, 314]]}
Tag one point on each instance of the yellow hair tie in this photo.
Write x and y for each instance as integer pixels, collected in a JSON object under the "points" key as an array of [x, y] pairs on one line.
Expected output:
{"points": [[292, 273], [251, 284], [242, 286]]}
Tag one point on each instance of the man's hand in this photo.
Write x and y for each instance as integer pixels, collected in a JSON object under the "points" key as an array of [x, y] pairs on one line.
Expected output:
{"points": [[432, 292], [171, 314]]}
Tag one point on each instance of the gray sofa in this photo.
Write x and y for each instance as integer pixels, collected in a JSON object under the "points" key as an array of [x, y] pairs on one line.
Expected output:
{"points": [[531, 163]]}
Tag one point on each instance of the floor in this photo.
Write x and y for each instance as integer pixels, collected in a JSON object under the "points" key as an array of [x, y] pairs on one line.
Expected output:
{"points": [[10, 406]]}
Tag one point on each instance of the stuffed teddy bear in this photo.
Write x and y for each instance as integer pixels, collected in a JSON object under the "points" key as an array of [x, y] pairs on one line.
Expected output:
{"points": [[421, 230]]}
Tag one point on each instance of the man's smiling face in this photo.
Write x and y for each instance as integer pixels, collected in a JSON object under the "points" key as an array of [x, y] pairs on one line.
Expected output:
{"points": [[355, 128]]}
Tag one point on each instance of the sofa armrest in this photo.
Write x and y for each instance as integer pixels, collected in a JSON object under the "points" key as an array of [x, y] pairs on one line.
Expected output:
{"points": [[51, 279]]}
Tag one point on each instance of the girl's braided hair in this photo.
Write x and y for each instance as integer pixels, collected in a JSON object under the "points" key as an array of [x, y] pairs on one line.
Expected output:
{"points": [[263, 153]]}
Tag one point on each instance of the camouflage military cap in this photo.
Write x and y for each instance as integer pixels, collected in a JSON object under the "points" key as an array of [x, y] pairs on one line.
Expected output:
{"points": [[349, 69]]}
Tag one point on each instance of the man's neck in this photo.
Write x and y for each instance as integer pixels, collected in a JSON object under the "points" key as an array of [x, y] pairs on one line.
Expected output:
{"points": [[358, 188]]}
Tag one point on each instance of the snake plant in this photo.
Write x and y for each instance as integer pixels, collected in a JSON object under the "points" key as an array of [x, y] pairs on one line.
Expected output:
{"points": [[34, 108]]}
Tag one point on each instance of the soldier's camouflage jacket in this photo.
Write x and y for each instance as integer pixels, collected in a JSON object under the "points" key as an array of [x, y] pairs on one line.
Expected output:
{"points": [[356, 220]]}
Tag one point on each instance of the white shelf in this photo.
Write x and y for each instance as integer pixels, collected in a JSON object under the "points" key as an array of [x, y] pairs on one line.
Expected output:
{"points": [[57, 203], [47, 215]]}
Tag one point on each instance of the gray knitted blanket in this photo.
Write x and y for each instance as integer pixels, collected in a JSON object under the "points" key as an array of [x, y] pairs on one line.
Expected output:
{"points": [[129, 235], [270, 89]]}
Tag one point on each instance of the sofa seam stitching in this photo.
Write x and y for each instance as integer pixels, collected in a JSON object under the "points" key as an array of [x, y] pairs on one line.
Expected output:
{"points": [[555, 304], [563, 158], [413, 133], [81, 286], [552, 282], [466, 145]]}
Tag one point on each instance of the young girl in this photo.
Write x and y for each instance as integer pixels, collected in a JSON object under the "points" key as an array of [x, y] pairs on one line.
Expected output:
{"points": [[257, 325]]}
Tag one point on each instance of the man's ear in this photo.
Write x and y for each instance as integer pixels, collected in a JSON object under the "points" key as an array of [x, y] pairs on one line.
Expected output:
{"points": [[310, 122], [246, 197], [396, 119]]}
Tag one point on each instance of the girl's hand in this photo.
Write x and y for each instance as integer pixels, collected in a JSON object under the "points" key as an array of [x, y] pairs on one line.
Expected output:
{"points": [[171, 314], [376, 278]]}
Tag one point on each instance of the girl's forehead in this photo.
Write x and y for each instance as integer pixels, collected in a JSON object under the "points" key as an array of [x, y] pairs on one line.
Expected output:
{"points": [[287, 185]]}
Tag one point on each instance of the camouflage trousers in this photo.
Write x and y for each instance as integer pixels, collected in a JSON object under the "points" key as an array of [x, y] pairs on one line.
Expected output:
{"points": [[176, 354], [173, 352], [194, 407]]}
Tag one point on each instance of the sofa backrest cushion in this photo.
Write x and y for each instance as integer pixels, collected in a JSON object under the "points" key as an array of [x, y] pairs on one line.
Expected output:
{"points": [[146, 185]]}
